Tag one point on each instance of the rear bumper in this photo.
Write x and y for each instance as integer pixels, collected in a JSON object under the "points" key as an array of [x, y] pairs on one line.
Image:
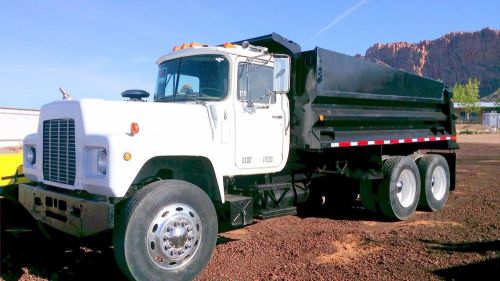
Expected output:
{"points": [[67, 212]]}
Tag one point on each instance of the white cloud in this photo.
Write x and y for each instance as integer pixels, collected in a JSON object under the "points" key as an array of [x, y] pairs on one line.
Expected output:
{"points": [[338, 19]]}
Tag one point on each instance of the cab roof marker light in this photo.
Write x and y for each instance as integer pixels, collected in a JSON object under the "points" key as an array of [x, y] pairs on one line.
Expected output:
{"points": [[190, 45], [196, 44], [229, 45]]}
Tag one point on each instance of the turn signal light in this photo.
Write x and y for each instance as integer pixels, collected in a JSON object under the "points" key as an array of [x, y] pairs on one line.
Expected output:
{"points": [[134, 128], [127, 156], [321, 117]]}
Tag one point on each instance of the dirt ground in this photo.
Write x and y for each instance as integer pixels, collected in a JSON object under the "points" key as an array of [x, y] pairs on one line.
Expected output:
{"points": [[459, 243]]}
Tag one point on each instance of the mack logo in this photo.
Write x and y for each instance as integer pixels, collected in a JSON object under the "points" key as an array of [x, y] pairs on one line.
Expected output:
{"points": [[279, 74]]}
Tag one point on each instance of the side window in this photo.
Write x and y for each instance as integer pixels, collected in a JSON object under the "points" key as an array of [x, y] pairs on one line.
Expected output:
{"points": [[255, 83]]}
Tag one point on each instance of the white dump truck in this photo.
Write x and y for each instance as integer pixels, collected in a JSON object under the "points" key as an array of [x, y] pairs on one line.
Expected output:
{"points": [[243, 130]]}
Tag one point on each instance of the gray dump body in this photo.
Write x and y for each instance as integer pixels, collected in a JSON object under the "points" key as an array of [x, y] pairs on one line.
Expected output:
{"points": [[361, 102]]}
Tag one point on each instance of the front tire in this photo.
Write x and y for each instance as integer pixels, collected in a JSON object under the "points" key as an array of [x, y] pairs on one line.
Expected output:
{"points": [[400, 190], [165, 231]]}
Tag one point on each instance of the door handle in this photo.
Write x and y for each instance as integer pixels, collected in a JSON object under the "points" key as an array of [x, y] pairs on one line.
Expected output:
{"points": [[277, 117]]}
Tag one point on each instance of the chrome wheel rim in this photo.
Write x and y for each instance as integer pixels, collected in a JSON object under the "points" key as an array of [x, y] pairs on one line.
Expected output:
{"points": [[438, 183], [406, 188], [173, 237]]}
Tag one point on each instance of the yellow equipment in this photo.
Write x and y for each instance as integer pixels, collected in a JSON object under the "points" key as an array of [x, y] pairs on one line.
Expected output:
{"points": [[11, 168]]}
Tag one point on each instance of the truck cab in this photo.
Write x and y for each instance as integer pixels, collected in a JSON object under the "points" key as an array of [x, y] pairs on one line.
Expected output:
{"points": [[223, 104]]}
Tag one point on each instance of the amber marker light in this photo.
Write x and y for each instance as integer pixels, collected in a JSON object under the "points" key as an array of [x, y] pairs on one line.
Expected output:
{"points": [[229, 45], [321, 117], [195, 44], [127, 156], [134, 128]]}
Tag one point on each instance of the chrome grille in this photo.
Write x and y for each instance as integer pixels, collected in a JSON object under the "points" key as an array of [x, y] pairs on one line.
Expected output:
{"points": [[59, 151]]}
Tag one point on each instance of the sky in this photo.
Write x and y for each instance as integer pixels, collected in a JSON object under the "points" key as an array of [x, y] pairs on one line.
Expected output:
{"points": [[98, 49]]}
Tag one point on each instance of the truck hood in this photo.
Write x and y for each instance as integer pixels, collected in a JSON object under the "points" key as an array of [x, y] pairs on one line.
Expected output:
{"points": [[165, 129], [100, 117]]}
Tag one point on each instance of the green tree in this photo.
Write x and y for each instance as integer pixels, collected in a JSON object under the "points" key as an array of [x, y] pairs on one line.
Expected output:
{"points": [[468, 96]]}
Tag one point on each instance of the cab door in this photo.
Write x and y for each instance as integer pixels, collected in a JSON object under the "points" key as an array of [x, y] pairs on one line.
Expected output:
{"points": [[259, 118]]}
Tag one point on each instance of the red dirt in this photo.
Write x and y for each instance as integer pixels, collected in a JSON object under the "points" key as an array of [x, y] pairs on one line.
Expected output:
{"points": [[460, 242]]}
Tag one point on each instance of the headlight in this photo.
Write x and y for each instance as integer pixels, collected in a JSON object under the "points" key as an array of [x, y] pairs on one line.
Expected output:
{"points": [[31, 155], [102, 161]]}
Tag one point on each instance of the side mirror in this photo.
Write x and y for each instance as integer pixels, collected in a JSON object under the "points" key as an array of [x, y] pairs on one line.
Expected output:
{"points": [[281, 74]]}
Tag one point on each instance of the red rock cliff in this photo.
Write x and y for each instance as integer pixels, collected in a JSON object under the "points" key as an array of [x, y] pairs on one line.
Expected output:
{"points": [[453, 58]]}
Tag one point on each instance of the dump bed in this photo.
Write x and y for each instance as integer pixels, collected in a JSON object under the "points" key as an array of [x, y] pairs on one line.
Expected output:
{"points": [[338, 101], [347, 101]]}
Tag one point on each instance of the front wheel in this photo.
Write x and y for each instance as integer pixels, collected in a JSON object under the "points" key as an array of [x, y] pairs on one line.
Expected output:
{"points": [[165, 231]]}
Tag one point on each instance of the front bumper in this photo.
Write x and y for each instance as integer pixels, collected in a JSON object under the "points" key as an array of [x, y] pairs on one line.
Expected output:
{"points": [[67, 211]]}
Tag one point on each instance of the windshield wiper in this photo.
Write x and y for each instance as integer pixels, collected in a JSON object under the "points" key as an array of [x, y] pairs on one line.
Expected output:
{"points": [[178, 97], [162, 99]]}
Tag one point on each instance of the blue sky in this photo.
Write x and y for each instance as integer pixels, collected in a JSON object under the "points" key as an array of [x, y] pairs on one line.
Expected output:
{"points": [[100, 48]]}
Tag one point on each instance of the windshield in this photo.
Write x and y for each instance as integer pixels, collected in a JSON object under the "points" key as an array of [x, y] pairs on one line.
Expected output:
{"points": [[201, 77]]}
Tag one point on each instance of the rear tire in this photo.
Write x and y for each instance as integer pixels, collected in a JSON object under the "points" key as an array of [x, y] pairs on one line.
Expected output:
{"points": [[165, 231], [400, 190], [435, 178]]}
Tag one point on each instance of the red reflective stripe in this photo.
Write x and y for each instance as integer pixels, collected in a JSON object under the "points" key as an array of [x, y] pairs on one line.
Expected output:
{"points": [[344, 143], [391, 141], [362, 142]]}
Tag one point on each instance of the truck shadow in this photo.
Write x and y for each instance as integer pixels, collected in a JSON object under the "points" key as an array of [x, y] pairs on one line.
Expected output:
{"points": [[27, 253], [485, 269], [23, 250], [354, 213]]}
